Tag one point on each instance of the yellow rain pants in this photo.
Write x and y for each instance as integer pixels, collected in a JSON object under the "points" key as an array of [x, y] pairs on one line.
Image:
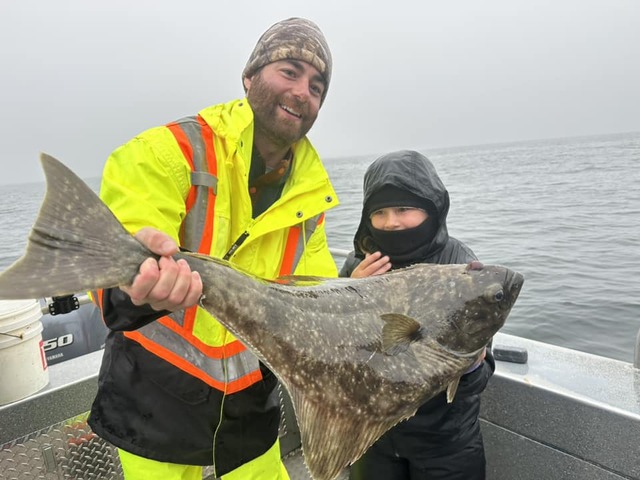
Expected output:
{"points": [[267, 466]]}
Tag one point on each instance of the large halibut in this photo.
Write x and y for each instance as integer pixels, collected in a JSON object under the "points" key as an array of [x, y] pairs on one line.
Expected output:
{"points": [[356, 355]]}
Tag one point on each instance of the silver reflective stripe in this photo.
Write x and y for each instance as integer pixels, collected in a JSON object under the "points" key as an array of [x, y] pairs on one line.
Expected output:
{"points": [[178, 317], [204, 179], [309, 227], [237, 365], [223, 370], [194, 223]]}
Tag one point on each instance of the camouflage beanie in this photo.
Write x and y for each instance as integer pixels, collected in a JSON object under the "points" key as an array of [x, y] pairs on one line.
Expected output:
{"points": [[296, 39]]}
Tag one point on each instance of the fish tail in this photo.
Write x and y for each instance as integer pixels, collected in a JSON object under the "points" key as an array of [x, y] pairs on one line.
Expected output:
{"points": [[75, 245]]}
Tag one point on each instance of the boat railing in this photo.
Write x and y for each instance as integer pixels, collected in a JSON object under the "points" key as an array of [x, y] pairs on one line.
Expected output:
{"points": [[636, 352]]}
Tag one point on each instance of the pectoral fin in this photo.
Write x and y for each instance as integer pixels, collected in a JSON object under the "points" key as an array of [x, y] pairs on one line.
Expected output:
{"points": [[452, 389], [398, 332]]}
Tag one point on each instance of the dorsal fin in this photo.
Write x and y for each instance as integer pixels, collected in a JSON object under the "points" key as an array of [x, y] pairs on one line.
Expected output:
{"points": [[398, 332], [300, 280]]}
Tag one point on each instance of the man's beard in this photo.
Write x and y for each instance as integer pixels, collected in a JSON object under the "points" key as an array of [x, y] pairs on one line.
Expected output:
{"points": [[268, 118]]}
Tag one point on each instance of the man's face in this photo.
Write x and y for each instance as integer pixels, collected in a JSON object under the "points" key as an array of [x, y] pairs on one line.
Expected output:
{"points": [[285, 98]]}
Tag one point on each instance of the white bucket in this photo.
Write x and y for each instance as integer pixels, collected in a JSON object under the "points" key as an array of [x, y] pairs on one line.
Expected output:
{"points": [[23, 365]]}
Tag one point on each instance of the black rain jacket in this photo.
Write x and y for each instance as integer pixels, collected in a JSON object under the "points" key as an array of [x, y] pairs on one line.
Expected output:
{"points": [[438, 428], [151, 408]]}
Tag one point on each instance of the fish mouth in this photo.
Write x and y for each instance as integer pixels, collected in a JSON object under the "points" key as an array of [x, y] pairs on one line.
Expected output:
{"points": [[513, 282]]}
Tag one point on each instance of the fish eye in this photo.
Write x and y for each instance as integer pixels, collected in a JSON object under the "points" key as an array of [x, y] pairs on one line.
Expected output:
{"points": [[494, 294]]}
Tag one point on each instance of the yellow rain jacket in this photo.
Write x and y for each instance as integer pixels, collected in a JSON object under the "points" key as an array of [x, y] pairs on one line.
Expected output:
{"points": [[166, 405]]}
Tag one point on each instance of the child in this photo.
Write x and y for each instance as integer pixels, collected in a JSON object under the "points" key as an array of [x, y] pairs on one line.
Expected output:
{"points": [[403, 222]]}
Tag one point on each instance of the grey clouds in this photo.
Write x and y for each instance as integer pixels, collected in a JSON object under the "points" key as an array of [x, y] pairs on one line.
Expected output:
{"points": [[80, 78]]}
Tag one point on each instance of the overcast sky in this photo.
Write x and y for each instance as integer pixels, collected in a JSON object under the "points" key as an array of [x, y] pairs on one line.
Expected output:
{"points": [[78, 78]]}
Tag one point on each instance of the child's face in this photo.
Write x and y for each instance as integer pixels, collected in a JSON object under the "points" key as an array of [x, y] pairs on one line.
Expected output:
{"points": [[398, 218]]}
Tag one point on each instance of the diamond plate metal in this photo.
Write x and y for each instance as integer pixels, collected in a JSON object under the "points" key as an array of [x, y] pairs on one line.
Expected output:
{"points": [[71, 451], [67, 450]]}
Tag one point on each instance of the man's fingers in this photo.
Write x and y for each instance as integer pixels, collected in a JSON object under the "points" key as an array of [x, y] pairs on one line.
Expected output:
{"points": [[169, 271], [144, 281], [175, 281], [190, 298], [164, 284], [195, 290], [158, 242]]}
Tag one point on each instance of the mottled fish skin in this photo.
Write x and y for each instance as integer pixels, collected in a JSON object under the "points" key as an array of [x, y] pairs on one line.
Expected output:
{"points": [[356, 355]]}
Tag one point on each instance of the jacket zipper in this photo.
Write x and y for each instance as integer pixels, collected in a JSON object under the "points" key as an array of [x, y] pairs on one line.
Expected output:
{"points": [[235, 246]]}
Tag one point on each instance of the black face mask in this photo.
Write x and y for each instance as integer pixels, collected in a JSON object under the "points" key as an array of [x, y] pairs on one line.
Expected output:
{"points": [[403, 246]]}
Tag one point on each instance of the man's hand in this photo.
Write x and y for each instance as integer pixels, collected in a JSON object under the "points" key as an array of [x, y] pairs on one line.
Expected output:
{"points": [[373, 264], [164, 284]]}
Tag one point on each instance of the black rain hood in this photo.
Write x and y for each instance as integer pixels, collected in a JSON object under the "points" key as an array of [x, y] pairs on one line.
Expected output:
{"points": [[413, 172]]}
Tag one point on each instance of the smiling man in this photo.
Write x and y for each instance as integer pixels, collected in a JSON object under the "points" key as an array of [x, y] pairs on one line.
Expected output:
{"points": [[238, 181]]}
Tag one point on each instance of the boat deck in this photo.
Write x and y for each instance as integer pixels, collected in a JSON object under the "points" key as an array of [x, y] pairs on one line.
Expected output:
{"points": [[562, 415]]}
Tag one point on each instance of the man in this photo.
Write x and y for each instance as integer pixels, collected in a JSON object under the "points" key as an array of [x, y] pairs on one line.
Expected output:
{"points": [[239, 181]]}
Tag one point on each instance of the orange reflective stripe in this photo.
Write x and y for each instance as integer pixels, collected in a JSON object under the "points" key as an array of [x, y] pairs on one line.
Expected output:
{"points": [[231, 367], [96, 297], [212, 162], [187, 151], [190, 318], [206, 160], [231, 348], [289, 256], [295, 245], [186, 366], [183, 141]]}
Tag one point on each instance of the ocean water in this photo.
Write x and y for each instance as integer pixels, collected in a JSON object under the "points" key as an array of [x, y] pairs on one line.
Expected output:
{"points": [[563, 212]]}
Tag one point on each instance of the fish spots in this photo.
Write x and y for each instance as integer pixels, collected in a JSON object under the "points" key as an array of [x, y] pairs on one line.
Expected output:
{"points": [[310, 332]]}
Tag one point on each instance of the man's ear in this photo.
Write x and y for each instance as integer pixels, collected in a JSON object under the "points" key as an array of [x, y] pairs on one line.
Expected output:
{"points": [[246, 81]]}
